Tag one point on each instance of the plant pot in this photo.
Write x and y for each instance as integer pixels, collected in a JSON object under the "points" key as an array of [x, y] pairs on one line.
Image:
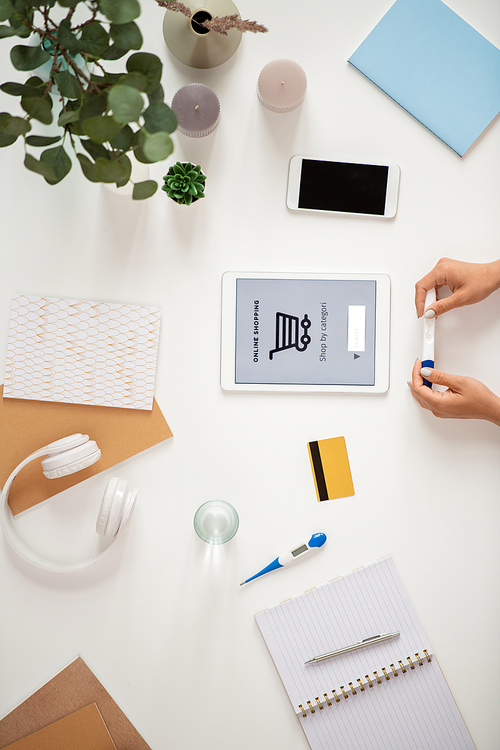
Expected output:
{"points": [[171, 189], [196, 46]]}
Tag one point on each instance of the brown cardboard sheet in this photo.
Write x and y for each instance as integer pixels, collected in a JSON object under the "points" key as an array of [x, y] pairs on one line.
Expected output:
{"points": [[82, 730], [75, 687], [26, 426]]}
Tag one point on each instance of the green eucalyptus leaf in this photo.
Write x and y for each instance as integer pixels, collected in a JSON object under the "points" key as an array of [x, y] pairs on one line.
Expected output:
{"points": [[6, 31], [126, 103], [94, 40], [19, 89], [141, 156], [126, 166], [126, 35], [136, 80], [88, 168], [158, 146], [40, 109], [40, 168], [58, 159], [113, 170], [159, 116], [157, 94], [42, 140], [28, 58], [93, 105], [68, 3], [114, 52], [37, 83], [120, 11], [147, 64], [67, 39], [124, 140], [6, 10], [67, 84], [14, 126], [69, 116], [7, 140], [101, 129], [144, 190], [96, 150], [21, 21]]}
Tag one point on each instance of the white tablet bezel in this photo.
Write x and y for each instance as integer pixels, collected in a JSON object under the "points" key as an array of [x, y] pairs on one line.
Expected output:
{"points": [[382, 334]]}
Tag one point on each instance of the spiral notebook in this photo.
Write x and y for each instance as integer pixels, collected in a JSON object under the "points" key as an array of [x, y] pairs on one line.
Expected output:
{"points": [[390, 695]]}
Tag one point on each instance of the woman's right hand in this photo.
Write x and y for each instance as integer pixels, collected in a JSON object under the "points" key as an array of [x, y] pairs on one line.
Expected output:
{"points": [[464, 398], [469, 283]]}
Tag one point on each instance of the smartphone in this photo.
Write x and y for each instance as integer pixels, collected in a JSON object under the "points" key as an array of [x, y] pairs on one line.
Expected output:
{"points": [[340, 187]]}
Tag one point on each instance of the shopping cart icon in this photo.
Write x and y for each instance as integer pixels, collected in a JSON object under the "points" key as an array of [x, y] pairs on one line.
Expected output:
{"points": [[287, 333]]}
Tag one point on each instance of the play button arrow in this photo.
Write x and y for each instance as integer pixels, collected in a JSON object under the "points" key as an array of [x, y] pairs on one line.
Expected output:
{"points": [[356, 356]]}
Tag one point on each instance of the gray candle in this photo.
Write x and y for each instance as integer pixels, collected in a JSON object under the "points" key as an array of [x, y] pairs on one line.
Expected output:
{"points": [[197, 109]]}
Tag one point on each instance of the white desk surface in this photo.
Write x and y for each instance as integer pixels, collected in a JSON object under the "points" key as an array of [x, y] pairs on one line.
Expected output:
{"points": [[162, 621]]}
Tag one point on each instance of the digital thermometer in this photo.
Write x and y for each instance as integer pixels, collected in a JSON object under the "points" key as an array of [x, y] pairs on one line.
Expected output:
{"points": [[428, 339], [315, 542]]}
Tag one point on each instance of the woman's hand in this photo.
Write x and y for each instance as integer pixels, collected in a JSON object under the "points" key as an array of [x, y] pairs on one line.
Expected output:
{"points": [[465, 398], [469, 283]]}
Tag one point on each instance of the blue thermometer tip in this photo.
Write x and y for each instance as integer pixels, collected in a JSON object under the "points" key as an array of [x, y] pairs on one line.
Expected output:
{"points": [[317, 540]]}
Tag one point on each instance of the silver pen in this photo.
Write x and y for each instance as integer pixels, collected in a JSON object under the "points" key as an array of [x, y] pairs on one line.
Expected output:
{"points": [[370, 641]]}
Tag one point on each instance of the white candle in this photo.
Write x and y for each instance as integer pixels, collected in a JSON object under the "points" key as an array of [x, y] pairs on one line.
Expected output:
{"points": [[282, 85], [197, 109]]}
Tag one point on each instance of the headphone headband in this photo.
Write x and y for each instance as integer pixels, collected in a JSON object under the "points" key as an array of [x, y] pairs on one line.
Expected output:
{"points": [[67, 456]]}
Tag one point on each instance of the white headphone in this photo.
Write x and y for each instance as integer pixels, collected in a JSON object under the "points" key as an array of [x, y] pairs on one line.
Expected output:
{"points": [[64, 457]]}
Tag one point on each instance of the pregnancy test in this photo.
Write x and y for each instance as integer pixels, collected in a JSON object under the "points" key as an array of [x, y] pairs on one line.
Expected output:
{"points": [[428, 337]]}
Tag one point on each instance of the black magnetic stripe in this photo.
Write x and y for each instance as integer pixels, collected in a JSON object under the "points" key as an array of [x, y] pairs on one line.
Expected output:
{"points": [[318, 470]]}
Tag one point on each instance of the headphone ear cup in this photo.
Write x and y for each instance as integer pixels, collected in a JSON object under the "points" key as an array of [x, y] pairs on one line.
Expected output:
{"points": [[69, 461], [113, 505]]}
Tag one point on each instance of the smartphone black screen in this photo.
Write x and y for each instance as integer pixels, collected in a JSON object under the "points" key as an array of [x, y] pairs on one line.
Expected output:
{"points": [[344, 187]]}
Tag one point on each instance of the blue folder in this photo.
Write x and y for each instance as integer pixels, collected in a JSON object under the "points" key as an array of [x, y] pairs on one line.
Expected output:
{"points": [[437, 67]]}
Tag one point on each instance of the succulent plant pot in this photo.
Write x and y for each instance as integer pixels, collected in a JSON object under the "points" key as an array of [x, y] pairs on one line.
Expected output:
{"points": [[184, 183]]}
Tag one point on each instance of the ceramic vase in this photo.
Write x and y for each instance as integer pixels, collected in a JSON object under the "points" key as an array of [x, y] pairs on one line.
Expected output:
{"points": [[195, 45]]}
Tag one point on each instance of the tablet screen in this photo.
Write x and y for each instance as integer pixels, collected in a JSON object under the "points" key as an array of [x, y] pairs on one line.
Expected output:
{"points": [[305, 331]]}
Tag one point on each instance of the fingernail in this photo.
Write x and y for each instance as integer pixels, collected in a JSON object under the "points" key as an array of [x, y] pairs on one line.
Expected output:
{"points": [[429, 314], [408, 384], [425, 372]]}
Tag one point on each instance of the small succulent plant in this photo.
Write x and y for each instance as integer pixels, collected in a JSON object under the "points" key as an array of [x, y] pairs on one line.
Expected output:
{"points": [[184, 183]]}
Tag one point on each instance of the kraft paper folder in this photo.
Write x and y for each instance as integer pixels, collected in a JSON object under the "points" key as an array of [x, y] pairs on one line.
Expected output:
{"points": [[437, 67], [82, 730], [390, 695], [29, 425], [73, 688]]}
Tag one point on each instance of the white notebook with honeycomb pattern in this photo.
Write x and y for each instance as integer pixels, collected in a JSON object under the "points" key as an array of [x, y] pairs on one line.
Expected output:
{"points": [[387, 696]]}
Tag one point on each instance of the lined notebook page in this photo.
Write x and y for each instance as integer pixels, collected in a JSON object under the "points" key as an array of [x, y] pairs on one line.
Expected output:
{"points": [[412, 710]]}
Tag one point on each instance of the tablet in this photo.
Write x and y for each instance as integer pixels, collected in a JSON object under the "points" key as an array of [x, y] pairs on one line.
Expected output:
{"points": [[305, 332]]}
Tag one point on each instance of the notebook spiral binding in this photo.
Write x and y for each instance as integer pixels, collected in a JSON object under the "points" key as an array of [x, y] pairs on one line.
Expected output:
{"points": [[318, 704]]}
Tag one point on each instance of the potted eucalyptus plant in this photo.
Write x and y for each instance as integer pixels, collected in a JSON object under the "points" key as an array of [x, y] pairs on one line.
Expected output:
{"points": [[99, 116]]}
